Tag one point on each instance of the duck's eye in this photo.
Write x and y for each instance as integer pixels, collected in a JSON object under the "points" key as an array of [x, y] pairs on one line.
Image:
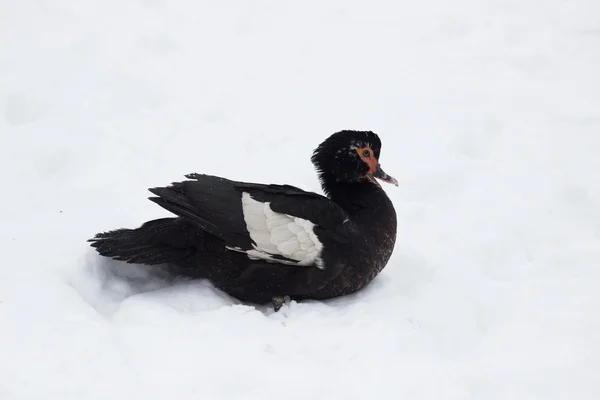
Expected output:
{"points": [[366, 153]]}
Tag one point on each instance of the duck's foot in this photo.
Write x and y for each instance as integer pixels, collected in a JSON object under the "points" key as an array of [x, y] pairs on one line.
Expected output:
{"points": [[278, 301]]}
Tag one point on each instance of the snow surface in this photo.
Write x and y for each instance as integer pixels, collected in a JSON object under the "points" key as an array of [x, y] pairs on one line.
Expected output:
{"points": [[489, 112]]}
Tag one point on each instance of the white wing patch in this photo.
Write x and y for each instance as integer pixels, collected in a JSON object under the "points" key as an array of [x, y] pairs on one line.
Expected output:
{"points": [[278, 234]]}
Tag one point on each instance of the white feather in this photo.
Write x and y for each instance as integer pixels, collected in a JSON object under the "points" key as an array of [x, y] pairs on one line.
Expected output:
{"points": [[279, 234], [294, 228]]}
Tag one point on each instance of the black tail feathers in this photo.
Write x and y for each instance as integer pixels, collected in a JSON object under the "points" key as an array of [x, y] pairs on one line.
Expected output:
{"points": [[152, 243]]}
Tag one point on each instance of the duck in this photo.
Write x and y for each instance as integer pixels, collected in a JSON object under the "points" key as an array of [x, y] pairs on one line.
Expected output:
{"points": [[272, 243]]}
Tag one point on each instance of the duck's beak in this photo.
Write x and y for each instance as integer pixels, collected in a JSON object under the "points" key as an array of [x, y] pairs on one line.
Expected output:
{"points": [[382, 176]]}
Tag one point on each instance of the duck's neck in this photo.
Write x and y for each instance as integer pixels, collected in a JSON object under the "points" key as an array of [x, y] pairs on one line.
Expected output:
{"points": [[366, 203]]}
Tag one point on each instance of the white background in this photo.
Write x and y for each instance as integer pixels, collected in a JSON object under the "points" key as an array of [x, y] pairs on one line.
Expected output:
{"points": [[489, 113]]}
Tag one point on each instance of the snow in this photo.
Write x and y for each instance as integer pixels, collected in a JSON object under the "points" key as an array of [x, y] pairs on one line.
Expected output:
{"points": [[489, 114]]}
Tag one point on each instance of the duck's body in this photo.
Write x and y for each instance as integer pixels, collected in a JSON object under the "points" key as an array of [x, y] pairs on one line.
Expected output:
{"points": [[262, 242]]}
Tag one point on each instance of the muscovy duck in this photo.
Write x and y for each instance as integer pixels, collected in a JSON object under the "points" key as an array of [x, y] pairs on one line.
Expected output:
{"points": [[262, 242]]}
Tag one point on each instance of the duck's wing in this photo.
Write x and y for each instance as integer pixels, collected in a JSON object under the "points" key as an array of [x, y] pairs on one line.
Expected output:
{"points": [[275, 223]]}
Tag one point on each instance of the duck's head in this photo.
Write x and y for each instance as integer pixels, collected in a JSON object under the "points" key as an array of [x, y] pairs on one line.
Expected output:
{"points": [[350, 156]]}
